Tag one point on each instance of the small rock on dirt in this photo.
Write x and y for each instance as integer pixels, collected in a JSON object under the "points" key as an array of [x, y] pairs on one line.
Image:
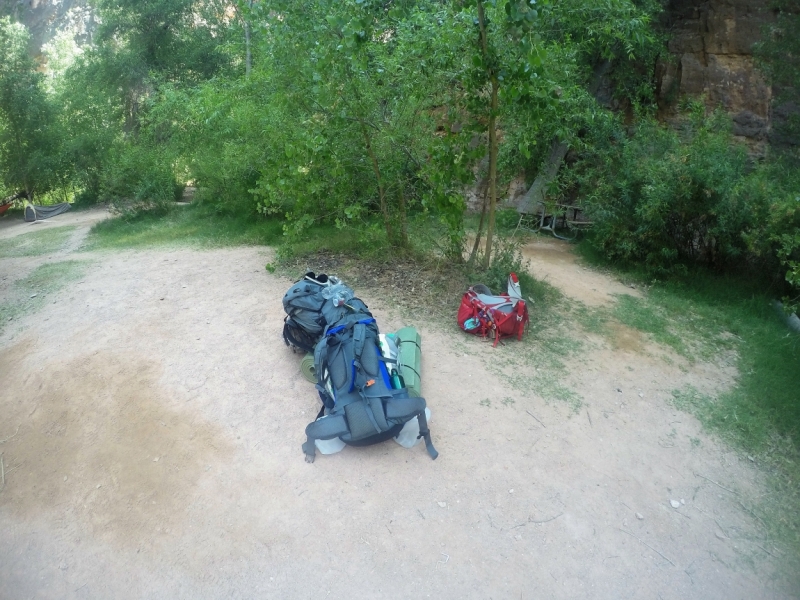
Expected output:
{"points": [[639, 516], [674, 504], [442, 504]]}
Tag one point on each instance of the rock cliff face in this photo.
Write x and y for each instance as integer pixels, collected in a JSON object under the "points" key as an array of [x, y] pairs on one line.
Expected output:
{"points": [[44, 18], [712, 47]]}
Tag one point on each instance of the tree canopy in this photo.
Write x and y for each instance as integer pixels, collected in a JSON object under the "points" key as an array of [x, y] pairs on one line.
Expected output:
{"points": [[383, 115], [29, 132]]}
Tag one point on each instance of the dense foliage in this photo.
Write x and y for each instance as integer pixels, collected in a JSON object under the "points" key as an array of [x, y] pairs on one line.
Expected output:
{"points": [[29, 130], [779, 57], [378, 116], [666, 198]]}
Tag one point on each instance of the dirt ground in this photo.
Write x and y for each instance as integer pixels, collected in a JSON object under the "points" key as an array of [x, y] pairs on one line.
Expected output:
{"points": [[150, 428]]}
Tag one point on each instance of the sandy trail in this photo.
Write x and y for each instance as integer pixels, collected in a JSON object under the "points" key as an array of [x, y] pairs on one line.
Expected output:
{"points": [[553, 261], [83, 219], [151, 429]]}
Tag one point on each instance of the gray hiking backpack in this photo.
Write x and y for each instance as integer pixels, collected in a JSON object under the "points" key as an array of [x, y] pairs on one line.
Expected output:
{"points": [[360, 407], [312, 304]]}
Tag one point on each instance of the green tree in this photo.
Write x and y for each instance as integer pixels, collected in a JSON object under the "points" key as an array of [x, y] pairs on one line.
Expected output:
{"points": [[778, 55], [142, 44], [29, 136], [666, 203], [356, 115], [536, 66], [119, 147]]}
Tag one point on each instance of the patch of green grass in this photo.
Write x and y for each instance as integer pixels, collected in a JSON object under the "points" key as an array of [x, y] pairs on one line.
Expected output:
{"points": [[363, 241], [36, 243], [745, 420], [593, 319], [690, 325], [29, 294], [537, 364], [766, 399], [707, 314], [651, 317], [194, 225]]}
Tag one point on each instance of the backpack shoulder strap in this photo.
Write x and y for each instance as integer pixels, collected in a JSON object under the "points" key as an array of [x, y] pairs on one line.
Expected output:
{"points": [[359, 337]]}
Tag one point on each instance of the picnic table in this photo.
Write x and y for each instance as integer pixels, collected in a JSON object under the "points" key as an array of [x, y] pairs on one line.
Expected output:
{"points": [[546, 217]]}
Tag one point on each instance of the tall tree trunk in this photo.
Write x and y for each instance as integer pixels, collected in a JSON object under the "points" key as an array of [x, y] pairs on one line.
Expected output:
{"points": [[248, 58], [538, 190], [477, 243], [558, 150], [492, 134], [403, 218], [492, 175], [387, 222]]}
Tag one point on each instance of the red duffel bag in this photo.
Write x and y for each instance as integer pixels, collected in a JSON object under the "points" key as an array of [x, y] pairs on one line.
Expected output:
{"points": [[498, 316]]}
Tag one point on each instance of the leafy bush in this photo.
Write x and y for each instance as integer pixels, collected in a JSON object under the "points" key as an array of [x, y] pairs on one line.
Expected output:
{"points": [[665, 199], [668, 199], [779, 239], [138, 178], [507, 220], [506, 258]]}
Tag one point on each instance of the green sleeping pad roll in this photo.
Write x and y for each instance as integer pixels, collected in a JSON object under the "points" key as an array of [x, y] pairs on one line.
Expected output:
{"points": [[409, 359], [307, 368]]}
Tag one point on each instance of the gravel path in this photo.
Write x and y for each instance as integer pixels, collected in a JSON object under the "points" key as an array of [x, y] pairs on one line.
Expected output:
{"points": [[150, 429]]}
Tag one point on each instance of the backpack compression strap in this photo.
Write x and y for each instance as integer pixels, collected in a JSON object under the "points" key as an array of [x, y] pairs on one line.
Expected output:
{"points": [[325, 428], [402, 407]]}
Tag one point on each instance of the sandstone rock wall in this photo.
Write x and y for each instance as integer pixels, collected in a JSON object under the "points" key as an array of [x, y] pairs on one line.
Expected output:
{"points": [[44, 18], [712, 47]]}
